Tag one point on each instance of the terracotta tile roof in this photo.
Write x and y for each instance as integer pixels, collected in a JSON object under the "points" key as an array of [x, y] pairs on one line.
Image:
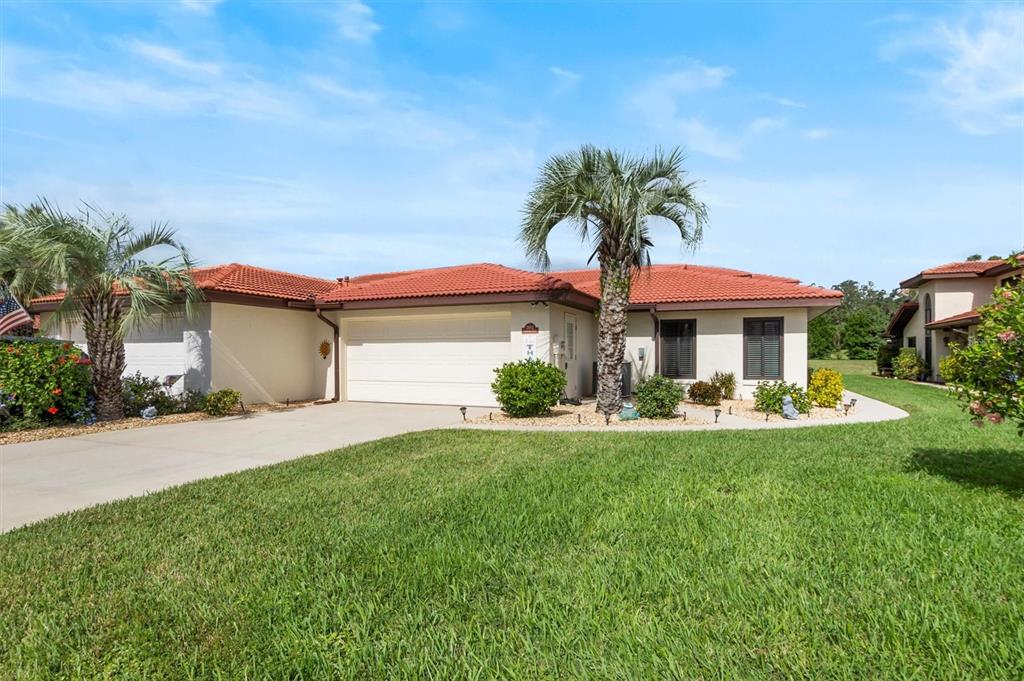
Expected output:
{"points": [[245, 279], [967, 268], [900, 318], [460, 280], [962, 319], [700, 283]]}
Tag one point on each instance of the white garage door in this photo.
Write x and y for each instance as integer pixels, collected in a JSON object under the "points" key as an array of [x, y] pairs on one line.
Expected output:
{"points": [[448, 360]]}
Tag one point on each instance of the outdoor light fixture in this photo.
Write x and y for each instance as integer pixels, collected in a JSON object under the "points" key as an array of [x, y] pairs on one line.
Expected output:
{"points": [[846, 410], [463, 410], [579, 418], [684, 415], [730, 410], [766, 417], [853, 402], [640, 354], [718, 412], [490, 416]]}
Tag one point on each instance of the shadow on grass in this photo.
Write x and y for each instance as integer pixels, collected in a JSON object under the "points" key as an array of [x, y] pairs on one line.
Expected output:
{"points": [[996, 468]]}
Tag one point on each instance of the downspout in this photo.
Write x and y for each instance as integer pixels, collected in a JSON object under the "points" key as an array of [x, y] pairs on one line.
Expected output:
{"points": [[337, 354], [657, 341]]}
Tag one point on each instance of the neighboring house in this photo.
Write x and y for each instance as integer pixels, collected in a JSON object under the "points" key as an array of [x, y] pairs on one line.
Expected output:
{"points": [[945, 307], [435, 336]]}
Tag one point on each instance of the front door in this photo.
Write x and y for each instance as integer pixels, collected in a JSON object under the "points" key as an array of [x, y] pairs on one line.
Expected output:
{"points": [[572, 370]]}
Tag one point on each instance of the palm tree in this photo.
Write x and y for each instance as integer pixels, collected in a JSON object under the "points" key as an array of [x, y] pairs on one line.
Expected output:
{"points": [[609, 199], [109, 284], [26, 281]]}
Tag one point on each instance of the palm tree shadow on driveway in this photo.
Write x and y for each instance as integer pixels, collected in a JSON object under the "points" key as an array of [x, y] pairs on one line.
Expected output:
{"points": [[993, 468]]}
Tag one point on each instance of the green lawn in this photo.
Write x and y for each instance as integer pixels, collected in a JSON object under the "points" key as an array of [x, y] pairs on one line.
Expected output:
{"points": [[863, 367], [876, 550]]}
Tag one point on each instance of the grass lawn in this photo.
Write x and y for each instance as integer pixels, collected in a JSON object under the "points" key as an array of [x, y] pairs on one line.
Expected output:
{"points": [[875, 550], [846, 366]]}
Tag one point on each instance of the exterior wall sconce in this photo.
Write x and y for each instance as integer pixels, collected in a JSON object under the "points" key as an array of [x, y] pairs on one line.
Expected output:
{"points": [[641, 353]]}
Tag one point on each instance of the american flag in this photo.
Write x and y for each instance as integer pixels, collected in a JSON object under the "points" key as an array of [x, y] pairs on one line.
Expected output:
{"points": [[12, 314]]}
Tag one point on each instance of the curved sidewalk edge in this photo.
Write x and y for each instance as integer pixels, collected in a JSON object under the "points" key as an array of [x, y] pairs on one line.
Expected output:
{"points": [[868, 410]]}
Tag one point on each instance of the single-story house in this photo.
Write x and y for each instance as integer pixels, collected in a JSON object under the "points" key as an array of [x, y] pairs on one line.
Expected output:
{"points": [[435, 336]]}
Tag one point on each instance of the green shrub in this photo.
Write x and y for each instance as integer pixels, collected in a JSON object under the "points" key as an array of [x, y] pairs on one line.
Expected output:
{"points": [[825, 388], [768, 397], [42, 382], [703, 392], [885, 354], [725, 381], [907, 365], [139, 392], [656, 397], [527, 388], [222, 402], [949, 367]]}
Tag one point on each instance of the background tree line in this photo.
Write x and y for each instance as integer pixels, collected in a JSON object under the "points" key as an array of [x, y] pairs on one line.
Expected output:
{"points": [[854, 329]]}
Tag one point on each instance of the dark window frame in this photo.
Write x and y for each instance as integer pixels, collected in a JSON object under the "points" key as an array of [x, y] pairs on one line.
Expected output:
{"points": [[912, 342], [782, 349], [693, 347], [929, 312]]}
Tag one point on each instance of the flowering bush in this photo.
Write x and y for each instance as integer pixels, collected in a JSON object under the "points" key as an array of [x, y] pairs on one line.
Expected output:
{"points": [[43, 382], [825, 388], [989, 371]]}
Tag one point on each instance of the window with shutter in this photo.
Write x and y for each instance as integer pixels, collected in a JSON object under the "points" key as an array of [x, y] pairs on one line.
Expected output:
{"points": [[762, 348], [678, 348]]}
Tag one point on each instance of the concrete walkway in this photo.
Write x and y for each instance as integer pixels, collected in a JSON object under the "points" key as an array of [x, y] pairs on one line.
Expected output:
{"points": [[45, 478], [868, 410]]}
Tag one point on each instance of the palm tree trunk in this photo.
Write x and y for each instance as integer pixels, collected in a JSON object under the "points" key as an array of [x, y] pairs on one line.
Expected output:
{"points": [[101, 322], [611, 335]]}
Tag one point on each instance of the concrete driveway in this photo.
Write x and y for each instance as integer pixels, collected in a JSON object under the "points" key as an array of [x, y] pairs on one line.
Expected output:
{"points": [[49, 477]]}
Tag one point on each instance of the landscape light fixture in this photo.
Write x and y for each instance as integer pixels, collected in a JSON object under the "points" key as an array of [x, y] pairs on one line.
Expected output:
{"points": [[579, 418], [463, 410], [846, 410], [718, 412], [730, 410], [766, 417], [684, 415], [853, 402]]}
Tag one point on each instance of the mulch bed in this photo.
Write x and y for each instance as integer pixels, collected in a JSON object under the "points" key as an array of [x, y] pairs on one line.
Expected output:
{"points": [[75, 429]]}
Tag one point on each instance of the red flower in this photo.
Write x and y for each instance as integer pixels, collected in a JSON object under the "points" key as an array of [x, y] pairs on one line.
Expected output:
{"points": [[66, 346], [10, 348], [57, 391], [52, 410]]}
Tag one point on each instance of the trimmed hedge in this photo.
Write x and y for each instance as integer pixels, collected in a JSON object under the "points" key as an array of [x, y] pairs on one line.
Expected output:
{"points": [[529, 387], [657, 397], [706, 393]]}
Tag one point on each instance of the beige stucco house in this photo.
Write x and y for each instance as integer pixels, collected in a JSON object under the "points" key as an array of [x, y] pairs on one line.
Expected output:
{"points": [[435, 336], [944, 310]]}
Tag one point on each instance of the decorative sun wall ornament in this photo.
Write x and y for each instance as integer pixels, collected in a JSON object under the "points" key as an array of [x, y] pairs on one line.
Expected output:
{"points": [[325, 348]]}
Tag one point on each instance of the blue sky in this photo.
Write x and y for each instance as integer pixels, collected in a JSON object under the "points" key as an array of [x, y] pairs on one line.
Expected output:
{"points": [[834, 141]]}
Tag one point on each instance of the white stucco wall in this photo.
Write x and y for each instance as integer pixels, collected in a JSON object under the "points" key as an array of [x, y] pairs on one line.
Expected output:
{"points": [[720, 342], [586, 344], [169, 344], [268, 354]]}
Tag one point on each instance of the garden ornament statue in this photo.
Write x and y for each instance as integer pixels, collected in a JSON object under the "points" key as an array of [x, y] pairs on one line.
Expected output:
{"points": [[628, 412], [149, 413], [788, 410]]}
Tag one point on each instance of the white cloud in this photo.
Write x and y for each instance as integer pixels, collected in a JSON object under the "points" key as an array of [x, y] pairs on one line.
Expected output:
{"points": [[168, 56], [565, 75], [355, 22], [980, 80], [200, 6], [786, 101], [818, 133], [766, 123], [658, 102]]}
